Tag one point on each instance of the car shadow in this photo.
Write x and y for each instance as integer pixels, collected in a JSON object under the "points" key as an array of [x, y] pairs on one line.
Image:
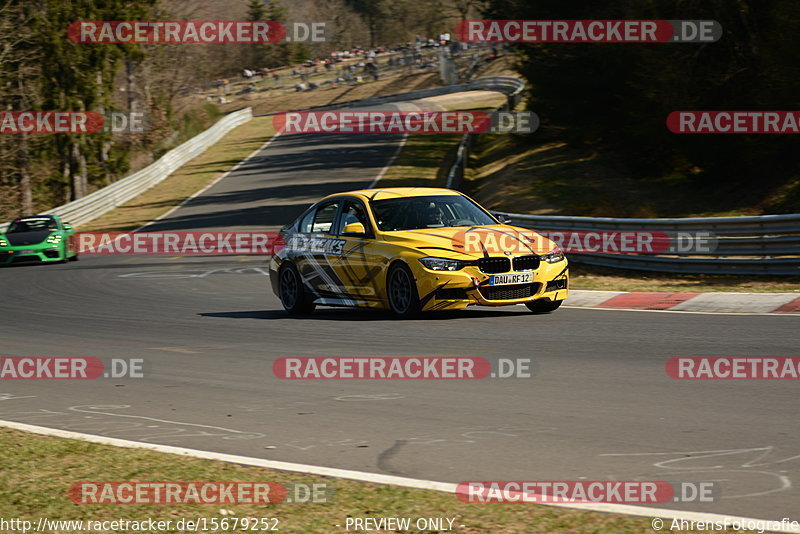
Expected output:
{"points": [[30, 264], [363, 315]]}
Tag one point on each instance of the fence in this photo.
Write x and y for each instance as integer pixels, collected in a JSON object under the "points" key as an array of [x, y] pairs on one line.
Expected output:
{"points": [[768, 244]]}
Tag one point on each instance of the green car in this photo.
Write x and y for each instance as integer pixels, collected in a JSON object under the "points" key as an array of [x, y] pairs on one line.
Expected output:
{"points": [[40, 238]]}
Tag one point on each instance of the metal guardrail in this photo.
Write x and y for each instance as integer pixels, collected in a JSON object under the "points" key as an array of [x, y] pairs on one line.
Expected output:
{"points": [[513, 89], [765, 245], [509, 85], [720, 225], [104, 200]]}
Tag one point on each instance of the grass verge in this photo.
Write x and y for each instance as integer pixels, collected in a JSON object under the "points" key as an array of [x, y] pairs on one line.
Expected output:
{"points": [[269, 100], [37, 472], [551, 177], [425, 159]]}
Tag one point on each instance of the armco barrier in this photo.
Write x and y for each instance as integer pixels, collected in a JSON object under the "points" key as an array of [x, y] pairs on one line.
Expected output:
{"points": [[104, 200], [513, 89], [509, 85], [766, 245]]}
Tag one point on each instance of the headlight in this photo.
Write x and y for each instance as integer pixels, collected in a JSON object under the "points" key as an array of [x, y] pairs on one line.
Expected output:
{"points": [[3, 242], [554, 256], [442, 264], [54, 238]]}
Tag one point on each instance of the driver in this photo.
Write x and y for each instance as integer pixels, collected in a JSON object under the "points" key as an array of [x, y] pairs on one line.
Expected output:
{"points": [[433, 216]]}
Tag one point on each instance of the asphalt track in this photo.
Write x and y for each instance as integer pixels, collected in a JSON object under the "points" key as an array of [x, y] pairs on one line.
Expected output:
{"points": [[599, 405]]}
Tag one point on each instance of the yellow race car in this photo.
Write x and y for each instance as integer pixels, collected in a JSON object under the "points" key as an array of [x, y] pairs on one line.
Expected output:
{"points": [[410, 250]]}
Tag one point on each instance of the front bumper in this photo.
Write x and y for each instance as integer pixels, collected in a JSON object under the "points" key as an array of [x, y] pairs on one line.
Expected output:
{"points": [[440, 290], [22, 254]]}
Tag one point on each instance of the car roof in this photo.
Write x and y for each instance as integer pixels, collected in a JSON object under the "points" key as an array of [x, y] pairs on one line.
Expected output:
{"points": [[396, 192]]}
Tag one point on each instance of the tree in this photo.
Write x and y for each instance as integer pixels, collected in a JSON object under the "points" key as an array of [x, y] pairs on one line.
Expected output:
{"points": [[374, 14], [617, 96], [19, 68], [257, 54]]}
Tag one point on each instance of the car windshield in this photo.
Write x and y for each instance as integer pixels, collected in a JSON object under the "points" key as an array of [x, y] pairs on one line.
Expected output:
{"points": [[32, 225], [434, 211]]}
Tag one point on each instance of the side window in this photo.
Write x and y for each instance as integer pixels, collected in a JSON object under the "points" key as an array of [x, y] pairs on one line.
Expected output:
{"points": [[305, 222], [354, 212], [323, 220]]}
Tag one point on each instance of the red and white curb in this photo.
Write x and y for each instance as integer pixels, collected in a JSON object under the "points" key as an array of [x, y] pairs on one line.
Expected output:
{"points": [[686, 302]]}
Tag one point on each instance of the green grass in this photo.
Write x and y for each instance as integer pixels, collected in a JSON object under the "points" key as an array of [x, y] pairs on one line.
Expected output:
{"points": [[425, 159], [423, 162], [36, 473], [514, 174]]}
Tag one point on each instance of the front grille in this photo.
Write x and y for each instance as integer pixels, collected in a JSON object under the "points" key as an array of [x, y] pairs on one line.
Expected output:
{"points": [[494, 265], [51, 253], [511, 292], [526, 263], [552, 285], [451, 293]]}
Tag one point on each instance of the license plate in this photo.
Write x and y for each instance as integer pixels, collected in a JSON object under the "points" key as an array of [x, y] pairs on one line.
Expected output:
{"points": [[511, 278], [26, 252]]}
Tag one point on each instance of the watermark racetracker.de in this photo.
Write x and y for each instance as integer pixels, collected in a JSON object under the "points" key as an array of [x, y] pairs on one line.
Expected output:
{"points": [[404, 122], [72, 122], [401, 368], [199, 492], [69, 368], [195, 32], [587, 491], [589, 31]]}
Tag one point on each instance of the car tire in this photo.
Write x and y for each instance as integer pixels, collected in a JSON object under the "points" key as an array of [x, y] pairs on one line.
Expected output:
{"points": [[293, 294], [543, 306], [73, 258], [401, 291]]}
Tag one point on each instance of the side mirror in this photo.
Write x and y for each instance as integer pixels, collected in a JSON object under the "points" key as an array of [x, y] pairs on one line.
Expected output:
{"points": [[504, 218], [355, 229], [67, 227]]}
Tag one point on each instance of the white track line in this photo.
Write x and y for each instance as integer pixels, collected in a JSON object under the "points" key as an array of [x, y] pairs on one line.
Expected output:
{"points": [[391, 161], [374, 478], [213, 183]]}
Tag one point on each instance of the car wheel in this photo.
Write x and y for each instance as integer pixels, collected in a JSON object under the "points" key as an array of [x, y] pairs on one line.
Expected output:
{"points": [[293, 294], [402, 292], [543, 306]]}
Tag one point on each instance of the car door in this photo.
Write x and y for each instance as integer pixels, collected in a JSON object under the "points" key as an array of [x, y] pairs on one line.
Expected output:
{"points": [[360, 264], [314, 248]]}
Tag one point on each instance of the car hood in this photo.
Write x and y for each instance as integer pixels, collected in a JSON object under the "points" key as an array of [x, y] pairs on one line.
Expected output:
{"points": [[450, 242], [17, 239]]}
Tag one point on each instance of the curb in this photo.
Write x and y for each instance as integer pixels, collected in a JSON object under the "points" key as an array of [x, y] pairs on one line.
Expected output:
{"points": [[781, 303]]}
